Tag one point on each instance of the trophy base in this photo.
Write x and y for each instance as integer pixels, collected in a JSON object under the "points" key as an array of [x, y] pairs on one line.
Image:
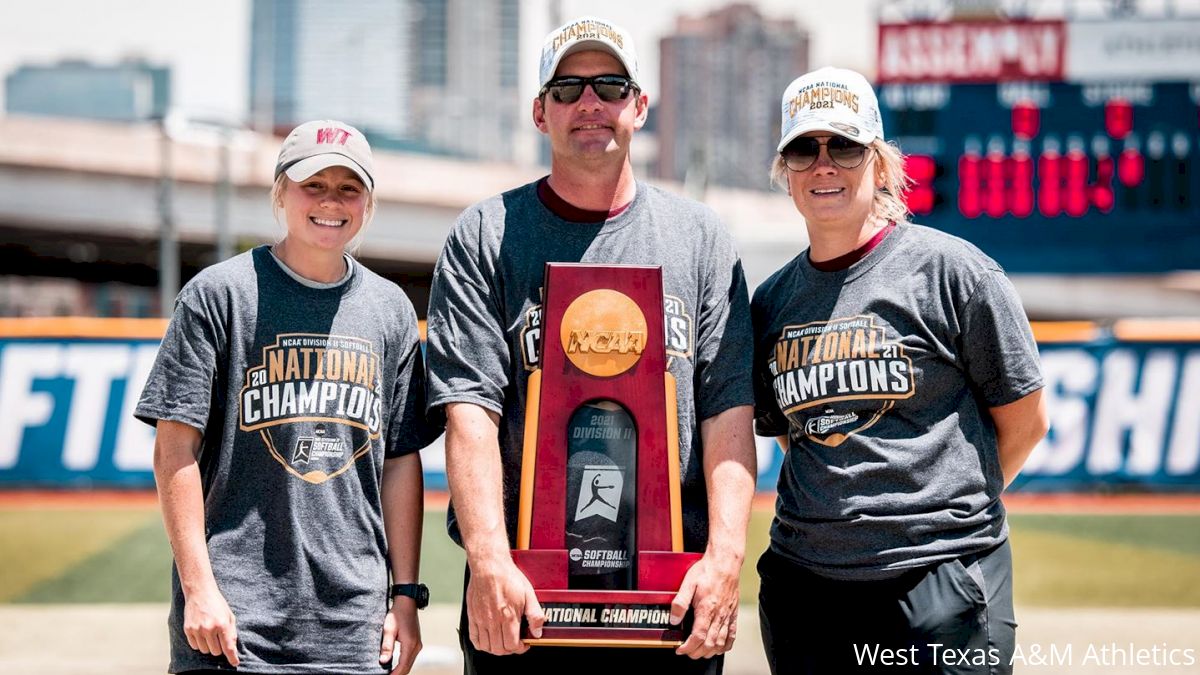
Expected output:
{"points": [[607, 618], [617, 637]]}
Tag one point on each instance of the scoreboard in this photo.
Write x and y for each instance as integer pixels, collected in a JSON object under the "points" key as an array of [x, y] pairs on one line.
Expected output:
{"points": [[1056, 177], [1055, 147]]}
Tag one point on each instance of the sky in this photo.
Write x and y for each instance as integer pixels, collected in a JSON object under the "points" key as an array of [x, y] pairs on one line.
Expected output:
{"points": [[206, 44]]}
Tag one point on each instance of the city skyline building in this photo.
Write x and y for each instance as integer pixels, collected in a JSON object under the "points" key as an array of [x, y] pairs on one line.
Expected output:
{"points": [[722, 75], [436, 76], [130, 91], [465, 60], [317, 60]]}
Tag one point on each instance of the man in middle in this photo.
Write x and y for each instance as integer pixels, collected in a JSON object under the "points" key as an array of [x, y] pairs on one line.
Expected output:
{"points": [[484, 333]]}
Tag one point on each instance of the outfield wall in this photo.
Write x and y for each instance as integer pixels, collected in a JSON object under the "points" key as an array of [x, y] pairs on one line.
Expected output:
{"points": [[1124, 406]]}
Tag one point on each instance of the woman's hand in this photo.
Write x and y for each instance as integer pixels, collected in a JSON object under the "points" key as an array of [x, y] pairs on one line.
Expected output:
{"points": [[401, 626], [210, 626]]}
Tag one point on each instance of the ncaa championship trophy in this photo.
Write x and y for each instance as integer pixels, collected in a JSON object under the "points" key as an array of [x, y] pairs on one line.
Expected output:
{"points": [[600, 530]]}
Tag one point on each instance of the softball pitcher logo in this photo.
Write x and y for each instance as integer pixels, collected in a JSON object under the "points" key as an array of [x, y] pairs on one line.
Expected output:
{"points": [[315, 402], [600, 492], [838, 376]]}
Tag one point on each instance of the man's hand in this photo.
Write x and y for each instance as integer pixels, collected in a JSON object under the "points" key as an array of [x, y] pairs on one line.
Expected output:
{"points": [[498, 594], [711, 588], [210, 626], [401, 626], [497, 597], [711, 585]]}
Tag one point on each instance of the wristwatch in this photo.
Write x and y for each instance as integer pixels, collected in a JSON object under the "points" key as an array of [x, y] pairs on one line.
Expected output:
{"points": [[418, 592]]}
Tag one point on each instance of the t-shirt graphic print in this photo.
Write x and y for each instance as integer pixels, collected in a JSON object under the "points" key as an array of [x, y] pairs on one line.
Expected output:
{"points": [[838, 377], [315, 400]]}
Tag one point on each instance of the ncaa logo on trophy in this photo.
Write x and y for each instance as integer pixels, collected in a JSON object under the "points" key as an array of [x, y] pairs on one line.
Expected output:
{"points": [[603, 332]]}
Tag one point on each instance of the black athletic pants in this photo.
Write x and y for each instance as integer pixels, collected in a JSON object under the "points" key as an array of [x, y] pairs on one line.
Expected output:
{"points": [[954, 617]]}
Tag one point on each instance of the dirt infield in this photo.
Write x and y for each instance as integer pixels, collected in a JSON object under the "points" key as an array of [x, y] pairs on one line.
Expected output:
{"points": [[131, 640]]}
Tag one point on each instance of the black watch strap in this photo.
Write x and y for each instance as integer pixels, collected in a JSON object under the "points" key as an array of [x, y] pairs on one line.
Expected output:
{"points": [[418, 592]]}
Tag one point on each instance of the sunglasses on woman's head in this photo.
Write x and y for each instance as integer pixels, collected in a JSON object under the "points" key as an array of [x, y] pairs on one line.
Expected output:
{"points": [[802, 153], [608, 88]]}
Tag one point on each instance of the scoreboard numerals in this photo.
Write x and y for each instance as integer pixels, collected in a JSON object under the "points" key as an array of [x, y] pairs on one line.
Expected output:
{"points": [[1055, 184], [1021, 199], [1076, 184], [922, 195], [999, 185], [970, 185], [1100, 193]]}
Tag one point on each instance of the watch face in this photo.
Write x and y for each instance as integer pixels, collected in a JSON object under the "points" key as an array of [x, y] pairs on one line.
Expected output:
{"points": [[422, 596]]}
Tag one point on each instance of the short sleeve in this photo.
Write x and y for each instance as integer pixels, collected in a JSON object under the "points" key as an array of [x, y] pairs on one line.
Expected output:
{"points": [[723, 340], [180, 385], [410, 428], [769, 420], [999, 353], [468, 356]]}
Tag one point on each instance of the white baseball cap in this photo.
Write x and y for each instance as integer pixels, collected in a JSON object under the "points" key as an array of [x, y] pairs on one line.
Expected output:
{"points": [[583, 34], [320, 144], [836, 100]]}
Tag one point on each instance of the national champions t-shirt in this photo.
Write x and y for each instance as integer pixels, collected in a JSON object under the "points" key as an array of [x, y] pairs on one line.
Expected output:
{"points": [[881, 375], [485, 316]]}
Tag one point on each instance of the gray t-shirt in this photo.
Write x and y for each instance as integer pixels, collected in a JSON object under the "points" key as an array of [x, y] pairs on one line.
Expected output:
{"points": [[485, 316], [300, 393], [881, 375]]}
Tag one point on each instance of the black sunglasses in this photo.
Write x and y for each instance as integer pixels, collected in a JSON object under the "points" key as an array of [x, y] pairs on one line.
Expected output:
{"points": [[608, 87], [802, 153]]}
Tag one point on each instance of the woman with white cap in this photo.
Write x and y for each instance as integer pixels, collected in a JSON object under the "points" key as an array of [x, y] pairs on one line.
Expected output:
{"points": [[289, 401], [897, 368]]}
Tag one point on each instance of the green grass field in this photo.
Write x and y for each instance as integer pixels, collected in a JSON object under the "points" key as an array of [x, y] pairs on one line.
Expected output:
{"points": [[121, 555]]}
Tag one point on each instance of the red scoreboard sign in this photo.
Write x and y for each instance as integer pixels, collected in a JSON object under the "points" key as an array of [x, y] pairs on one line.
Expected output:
{"points": [[977, 51]]}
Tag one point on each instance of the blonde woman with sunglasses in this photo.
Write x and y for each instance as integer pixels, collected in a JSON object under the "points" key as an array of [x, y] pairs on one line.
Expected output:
{"points": [[896, 367]]}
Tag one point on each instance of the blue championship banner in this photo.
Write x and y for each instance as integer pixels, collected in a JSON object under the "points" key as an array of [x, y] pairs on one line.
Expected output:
{"points": [[1124, 409]]}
